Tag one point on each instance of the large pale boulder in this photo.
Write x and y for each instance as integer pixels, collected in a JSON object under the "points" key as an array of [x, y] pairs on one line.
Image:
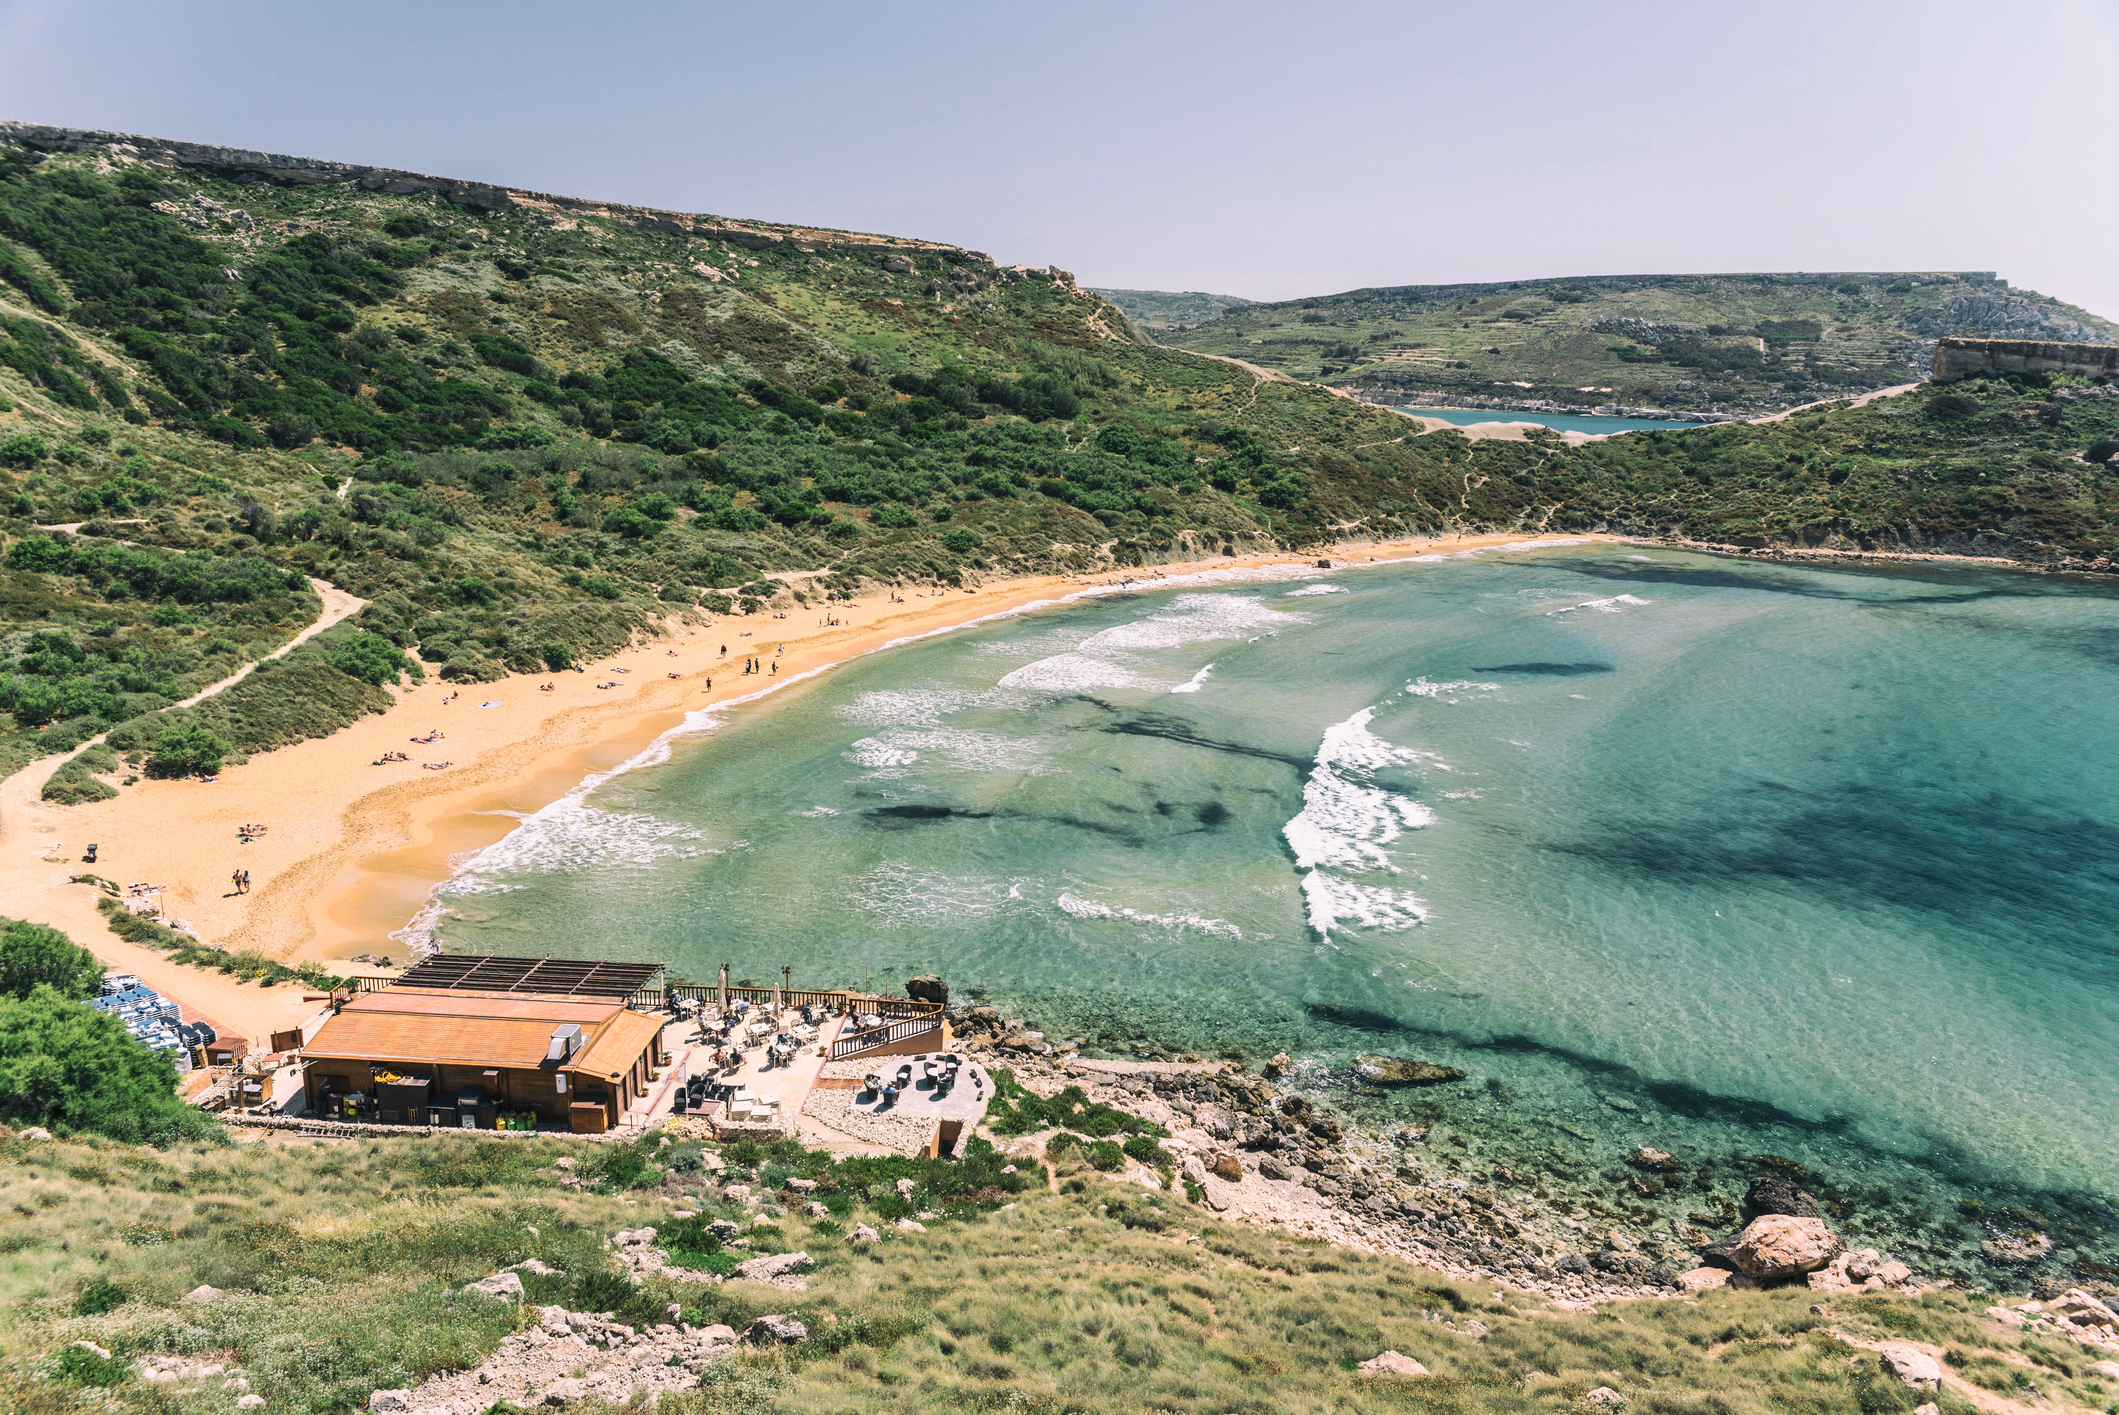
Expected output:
{"points": [[503, 1285], [1913, 1366], [1775, 1247], [775, 1330], [1703, 1279], [1390, 1363], [2078, 1306]]}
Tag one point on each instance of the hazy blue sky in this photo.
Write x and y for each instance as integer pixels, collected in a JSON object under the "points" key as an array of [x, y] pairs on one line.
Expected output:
{"points": [[1253, 149]]}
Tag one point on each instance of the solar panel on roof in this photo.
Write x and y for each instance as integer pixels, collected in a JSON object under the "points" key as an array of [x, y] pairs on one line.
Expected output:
{"points": [[563, 977]]}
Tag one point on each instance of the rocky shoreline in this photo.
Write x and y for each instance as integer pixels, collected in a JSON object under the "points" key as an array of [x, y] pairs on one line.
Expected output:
{"points": [[1251, 1147]]}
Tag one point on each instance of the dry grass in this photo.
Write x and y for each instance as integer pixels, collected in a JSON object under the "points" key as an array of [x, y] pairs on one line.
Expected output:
{"points": [[342, 1264]]}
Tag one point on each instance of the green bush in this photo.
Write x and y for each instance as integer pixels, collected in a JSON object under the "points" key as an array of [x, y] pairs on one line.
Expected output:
{"points": [[187, 749], [369, 657], [34, 955], [72, 1067], [84, 1367], [98, 1298], [24, 449]]}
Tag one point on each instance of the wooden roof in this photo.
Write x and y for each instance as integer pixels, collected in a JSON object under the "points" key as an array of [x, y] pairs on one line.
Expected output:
{"points": [[569, 977], [481, 1029]]}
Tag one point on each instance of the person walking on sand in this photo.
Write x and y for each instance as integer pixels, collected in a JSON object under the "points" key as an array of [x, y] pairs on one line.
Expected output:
{"points": [[246, 881], [235, 881]]}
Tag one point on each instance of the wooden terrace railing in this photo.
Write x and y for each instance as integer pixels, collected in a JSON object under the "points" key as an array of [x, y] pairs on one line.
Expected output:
{"points": [[886, 1034]]}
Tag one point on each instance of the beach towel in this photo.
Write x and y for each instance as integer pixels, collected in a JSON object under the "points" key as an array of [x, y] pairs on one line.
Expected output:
{"points": [[494, 704]]}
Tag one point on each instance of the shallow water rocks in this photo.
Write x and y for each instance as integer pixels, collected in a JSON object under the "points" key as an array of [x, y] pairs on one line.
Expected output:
{"points": [[1276, 1066], [1403, 1071], [1911, 1365], [2017, 1248], [775, 1330], [1390, 1363], [504, 1286], [1776, 1247], [1768, 1195], [1659, 1161]]}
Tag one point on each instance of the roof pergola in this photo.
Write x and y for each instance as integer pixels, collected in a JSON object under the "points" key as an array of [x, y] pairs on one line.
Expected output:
{"points": [[553, 977]]}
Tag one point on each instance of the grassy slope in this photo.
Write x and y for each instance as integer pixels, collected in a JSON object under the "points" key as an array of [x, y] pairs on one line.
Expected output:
{"points": [[339, 1260], [1163, 311], [1736, 343]]}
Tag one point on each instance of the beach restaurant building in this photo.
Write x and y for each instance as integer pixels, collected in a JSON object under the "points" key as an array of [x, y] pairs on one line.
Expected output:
{"points": [[489, 1043]]}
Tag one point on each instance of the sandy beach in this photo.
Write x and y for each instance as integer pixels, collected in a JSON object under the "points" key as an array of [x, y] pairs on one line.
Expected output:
{"points": [[354, 849]]}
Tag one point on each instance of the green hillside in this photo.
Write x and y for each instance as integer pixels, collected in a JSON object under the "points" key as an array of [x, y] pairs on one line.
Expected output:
{"points": [[528, 427], [1167, 311], [1743, 344]]}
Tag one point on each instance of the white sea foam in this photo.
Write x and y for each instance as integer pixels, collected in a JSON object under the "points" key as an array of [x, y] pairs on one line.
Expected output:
{"points": [[1082, 908], [1616, 604], [900, 896], [1114, 657], [1348, 823], [1195, 682], [1421, 688], [1308, 590], [818, 812]]}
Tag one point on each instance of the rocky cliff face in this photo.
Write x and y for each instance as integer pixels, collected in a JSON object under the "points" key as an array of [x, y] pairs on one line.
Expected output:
{"points": [[1967, 358]]}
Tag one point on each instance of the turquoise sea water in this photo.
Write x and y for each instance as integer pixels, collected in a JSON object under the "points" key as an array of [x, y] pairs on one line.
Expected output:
{"points": [[1562, 422], [1727, 858]]}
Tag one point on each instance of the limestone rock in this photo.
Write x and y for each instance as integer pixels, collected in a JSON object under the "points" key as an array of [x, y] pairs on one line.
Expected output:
{"points": [[1216, 1121], [2107, 1369], [816, 1210], [249, 1402], [802, 1186], [1931, 1408], [535, 1268], [1650, 1158], [1703, 1279], [563, 1391], [1912, 1365], [905, 1188], [910, 1225], [1390, 1363], [35, 1132], [1403, 1071], [502, 1285], [1775, 1247], [387, 1402], [1277, 1066], [1768, 1195], [724, 1230], [2017, 1248], [863, 1235], [1193, 1171], [2078, 1306], [1605, 1395], [717, 1335], [775, 1330], [1272, 1168], [202, 1293], [1894, 1274], [777, 1268]]}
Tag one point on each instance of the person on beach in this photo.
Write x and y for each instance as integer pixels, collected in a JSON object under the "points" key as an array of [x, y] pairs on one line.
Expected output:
{"points": [[235, 881]]}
